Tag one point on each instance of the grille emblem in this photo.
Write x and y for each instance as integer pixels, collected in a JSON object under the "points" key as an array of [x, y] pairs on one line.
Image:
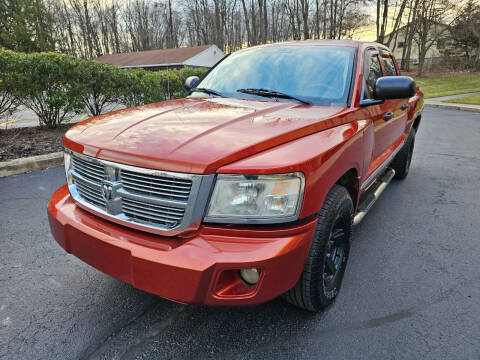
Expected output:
{"points": [[107, 191], [113, 200]]}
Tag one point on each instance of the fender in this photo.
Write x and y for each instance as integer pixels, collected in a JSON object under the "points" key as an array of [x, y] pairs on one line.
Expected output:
{"points": [[416, 104], [323, 157]]}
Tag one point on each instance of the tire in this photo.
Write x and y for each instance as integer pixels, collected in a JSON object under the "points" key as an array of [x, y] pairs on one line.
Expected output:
{"points": [[319, 283], [401, 162]]}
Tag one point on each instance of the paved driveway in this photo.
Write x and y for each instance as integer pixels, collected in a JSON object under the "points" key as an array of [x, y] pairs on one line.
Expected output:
{"points": [[411, 290]]}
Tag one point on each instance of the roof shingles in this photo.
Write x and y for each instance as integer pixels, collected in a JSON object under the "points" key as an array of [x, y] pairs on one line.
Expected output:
{"points": [[153, 57]]}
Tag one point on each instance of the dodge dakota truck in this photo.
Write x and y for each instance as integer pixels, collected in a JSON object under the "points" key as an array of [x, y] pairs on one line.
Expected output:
{"points": [[248, 188]]}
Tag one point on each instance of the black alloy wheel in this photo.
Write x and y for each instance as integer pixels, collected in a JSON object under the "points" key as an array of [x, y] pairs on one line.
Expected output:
{"points": [[335, 256]]}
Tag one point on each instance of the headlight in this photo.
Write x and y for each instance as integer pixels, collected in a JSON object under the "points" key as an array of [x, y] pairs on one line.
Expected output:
{"points": [[256, 198], [67, 159]]}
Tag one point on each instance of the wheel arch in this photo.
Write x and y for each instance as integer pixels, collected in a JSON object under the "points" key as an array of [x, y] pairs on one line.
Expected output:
{"points": [[350, 181]]}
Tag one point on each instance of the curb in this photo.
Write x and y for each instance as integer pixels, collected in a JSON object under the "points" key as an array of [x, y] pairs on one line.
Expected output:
{"points": [[453, 106], [23, 165]]}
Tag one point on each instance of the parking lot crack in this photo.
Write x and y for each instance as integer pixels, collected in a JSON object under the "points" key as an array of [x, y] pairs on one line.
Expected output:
{"points": [[91, 351]]}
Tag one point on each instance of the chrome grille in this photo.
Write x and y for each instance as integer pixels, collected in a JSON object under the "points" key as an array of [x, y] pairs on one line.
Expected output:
{"points": [[152, 214], [152, 200], [156, 186], [90, 193], [89, 170]]}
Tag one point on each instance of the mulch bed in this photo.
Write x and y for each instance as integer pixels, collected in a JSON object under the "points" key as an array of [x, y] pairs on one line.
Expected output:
{"points": [[30, 141]]}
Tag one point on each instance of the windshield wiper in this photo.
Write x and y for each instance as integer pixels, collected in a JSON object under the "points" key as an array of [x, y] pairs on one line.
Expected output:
{"points": [[208, 91], [273, 93]]}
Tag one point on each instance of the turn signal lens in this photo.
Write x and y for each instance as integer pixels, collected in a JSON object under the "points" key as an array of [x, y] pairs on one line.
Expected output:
{"points": [[67, 160]]}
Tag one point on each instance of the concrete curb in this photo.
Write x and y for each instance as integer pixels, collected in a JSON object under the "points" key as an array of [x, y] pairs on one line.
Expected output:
{"points": [[23, 165], [453, 106]]}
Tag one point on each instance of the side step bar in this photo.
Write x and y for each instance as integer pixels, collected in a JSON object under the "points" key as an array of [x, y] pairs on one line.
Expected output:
{"points": [[372, 195]]}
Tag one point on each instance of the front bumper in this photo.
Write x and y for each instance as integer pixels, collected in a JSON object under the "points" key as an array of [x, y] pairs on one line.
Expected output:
{"points": [[202, 268]]}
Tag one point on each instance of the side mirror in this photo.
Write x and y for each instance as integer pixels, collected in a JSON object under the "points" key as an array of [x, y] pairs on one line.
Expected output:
{"points": [[394, 87], [191, 82]]}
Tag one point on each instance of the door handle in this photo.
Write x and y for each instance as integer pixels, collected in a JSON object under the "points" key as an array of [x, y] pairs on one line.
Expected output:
{"points": [[404, 106], [388, 116]]}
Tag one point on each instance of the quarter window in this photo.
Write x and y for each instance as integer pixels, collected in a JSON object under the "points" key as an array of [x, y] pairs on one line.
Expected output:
{"points": [[374, 72]]}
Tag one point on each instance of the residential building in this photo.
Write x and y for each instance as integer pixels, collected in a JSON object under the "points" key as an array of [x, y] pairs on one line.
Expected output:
{"points": [[175, 58]]}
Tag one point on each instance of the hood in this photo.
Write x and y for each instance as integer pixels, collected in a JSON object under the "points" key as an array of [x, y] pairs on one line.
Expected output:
{"points": [[196, 135]]}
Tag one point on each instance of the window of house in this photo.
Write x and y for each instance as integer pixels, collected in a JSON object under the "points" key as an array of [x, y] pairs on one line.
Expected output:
{"points": [[441, 44], [400, 44], [389, 66], [374, 72]]}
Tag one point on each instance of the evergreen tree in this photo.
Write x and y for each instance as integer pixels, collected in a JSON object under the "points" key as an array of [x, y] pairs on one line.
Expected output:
{"points": [[26, 25]]}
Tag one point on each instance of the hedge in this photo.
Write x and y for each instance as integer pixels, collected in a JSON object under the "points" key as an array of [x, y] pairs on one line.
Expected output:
{"points": [[8, 103], [56, 87]]}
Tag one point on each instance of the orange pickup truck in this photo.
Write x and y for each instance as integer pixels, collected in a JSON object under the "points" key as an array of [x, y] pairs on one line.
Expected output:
{"points": [[248, 188]]}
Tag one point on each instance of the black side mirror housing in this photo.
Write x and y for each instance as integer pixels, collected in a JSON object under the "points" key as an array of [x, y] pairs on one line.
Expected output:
{"points": [[394, 87], [191, 82]]}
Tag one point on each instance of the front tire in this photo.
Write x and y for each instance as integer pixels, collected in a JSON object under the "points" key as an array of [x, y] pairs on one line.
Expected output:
{"points": [[323, 272]]}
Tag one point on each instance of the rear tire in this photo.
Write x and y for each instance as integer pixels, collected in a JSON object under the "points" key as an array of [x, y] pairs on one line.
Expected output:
{"points": [[323, 272], [401, 162]]}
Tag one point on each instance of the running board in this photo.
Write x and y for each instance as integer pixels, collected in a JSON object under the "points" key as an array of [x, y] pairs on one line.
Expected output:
{"points": [[372, 195]]}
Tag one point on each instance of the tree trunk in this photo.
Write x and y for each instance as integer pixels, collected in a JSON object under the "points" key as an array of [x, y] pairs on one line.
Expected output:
{"points": [[411, 33], [170, 40], [218, 25], [397, 23], [324, 19], [421, 62], [247, 23], [306, 31], [260, 21], [265, 21]]}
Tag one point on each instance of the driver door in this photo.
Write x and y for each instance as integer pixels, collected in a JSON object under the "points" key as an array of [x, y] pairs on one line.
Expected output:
{"points": [[389, 119]]}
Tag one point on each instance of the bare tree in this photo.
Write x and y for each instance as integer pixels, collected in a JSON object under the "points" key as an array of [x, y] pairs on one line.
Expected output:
{"points": [[89, 28], [430, 27], [398, 21], [382, 19], [409, 34]]}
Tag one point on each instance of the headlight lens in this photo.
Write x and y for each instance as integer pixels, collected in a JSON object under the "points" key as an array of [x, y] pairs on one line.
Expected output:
{"points": [[67, 160], [256, 198]]}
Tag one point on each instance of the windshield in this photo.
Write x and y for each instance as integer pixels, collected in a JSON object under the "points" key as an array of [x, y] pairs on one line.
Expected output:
{"points": [[319, 74]]}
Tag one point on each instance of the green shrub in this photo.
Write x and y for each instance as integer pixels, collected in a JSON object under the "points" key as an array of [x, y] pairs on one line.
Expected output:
{"points": [[171, 83], [56, 87], [8, 103], [47, 84], [140, 87], [100, 85]]}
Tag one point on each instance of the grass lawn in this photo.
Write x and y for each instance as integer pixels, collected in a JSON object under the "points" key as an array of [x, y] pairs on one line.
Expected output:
{"points": [[471, 100], [449, 84]]}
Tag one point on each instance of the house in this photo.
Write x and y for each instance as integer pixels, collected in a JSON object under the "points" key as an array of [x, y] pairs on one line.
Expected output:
{"points": [[195, 56], [438, 31]]}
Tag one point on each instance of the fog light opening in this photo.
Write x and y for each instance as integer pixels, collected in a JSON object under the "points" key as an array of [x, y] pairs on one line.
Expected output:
{"points": [[249, 276]]}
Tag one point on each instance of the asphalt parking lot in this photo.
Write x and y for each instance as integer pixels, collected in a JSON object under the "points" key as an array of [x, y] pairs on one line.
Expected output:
{"points": [[411, 290], [27, 118]]}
